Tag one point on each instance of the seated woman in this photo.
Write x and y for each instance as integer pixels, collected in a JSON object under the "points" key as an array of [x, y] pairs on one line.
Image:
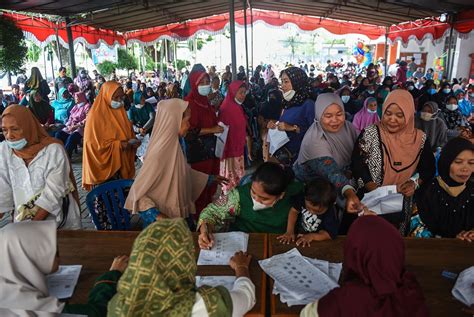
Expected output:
{"points": [[142, 116], [157, 284], [41, 108], [170, 188], [29, 253], [72, 134], [62, 106], [367, 115], [36, 179], [297, 115], [327, 147], [351, 105], [374, 281], [141, 91], [259, 206], [393, 152], [445, 205], [433, 126], [455, 121], [465, 106]]}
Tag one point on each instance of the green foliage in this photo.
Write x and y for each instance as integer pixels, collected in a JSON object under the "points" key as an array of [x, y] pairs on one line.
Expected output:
{"points": [[180, 63], [126, 60], [335, 41], [12, 46], [34, 52], [106, 68]]}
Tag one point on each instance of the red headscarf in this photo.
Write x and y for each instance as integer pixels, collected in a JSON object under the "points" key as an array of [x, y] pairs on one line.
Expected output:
{"points": [[232, 114], [375, 282], [194, 96], [203, 116]]}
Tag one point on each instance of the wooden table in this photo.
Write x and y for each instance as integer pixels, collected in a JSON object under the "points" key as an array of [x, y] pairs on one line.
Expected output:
{"points": [[427, 258], [95, 251]]}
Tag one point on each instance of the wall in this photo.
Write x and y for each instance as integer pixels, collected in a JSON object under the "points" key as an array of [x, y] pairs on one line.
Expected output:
{"points": [[433, 51], [462, 61]]}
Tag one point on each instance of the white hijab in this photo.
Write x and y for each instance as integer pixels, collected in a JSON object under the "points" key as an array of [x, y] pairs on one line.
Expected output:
{"points": [[27, 252], [319, 143]]}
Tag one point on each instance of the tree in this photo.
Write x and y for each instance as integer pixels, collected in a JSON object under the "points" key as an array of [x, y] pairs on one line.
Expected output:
{"points": [[33, 53], [106, 68], [293, 43], [12, 46], [125, 60]]}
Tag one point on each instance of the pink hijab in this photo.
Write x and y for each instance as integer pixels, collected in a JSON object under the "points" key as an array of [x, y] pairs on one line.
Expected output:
{"points": [[232, 114], [363, 118]]}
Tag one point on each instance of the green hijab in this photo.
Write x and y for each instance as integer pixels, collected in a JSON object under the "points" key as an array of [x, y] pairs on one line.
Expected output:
{"points": [[161, 276]]}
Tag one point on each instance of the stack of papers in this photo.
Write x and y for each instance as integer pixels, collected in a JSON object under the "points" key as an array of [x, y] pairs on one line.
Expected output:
{"points": [[221, 140], [225, 246], [300, 280], [277, 139], [384, 200], [61, 284], [463, 290], [226, 281], [151, 100]]}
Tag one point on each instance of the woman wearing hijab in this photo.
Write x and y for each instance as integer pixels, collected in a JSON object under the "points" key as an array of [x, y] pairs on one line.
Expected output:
{"points": [[187, 83], [36, 181], [465, 106], [29, 254], [457, 124], [445, 205], [326, 148], [63, 106], [142, 116], [141, 91], [232, 165], [394, 152], [40, 108], [72, 134], [109, 142], [428, 93], [374, 281], [162, 281], [201, 141], [36, 82], [297, 115], [433, 126], [441, 97], [367, 115], [85, 85], [169, 189], [351, 105]]}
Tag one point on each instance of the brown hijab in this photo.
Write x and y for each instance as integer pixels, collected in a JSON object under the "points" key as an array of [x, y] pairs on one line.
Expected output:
{"points": [[166, 182], [34, 133], [105, 129], [402, 149]]}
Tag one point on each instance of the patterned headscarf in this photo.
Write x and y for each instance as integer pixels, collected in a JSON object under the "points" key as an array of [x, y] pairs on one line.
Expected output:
{"points": [[160, 277], [300, 83]]}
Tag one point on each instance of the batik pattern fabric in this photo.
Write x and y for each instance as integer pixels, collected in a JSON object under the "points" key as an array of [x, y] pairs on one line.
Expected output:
{"points": [[232, 168], [221, 213]]}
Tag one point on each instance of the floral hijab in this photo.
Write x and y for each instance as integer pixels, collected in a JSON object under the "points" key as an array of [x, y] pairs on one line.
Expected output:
{"points": [[300, 82]]}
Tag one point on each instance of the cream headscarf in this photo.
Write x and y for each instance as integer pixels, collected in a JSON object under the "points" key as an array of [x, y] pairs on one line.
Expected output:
{"points": [[27, 251], [166, 181]]}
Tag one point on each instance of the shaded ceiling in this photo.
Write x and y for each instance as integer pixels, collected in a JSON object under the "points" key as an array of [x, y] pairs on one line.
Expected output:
{"points": [[128, 15]]}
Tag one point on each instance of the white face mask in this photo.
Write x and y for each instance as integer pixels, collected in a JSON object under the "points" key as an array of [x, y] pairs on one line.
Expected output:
{"points": [[204, 90], [371, 111], [426, 116], [452, 106], [258, 205], [447, 90], [345, 99], [139, 106], [371, 92], [410, 88], [289, 95], [238, 101], [17, 145], [116, 104]]}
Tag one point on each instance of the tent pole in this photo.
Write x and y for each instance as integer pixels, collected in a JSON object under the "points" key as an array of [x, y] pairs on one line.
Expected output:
{"points": [[162, 50], [386, 52], [246, 41], [71, 47], [449, 62], [175, 57], [156, 57], [251, 35], [58, 48], [232, 39]]}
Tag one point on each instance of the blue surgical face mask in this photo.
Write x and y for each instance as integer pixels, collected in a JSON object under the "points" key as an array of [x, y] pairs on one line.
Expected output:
{"points": [[371, 92], [204, 90], [345, 99], [17, 145], [116, 104], [431, 91], [447, 90]]}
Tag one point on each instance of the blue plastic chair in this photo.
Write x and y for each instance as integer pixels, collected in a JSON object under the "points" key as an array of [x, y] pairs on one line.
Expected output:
{"points": [[245, 180], [118, 216]]}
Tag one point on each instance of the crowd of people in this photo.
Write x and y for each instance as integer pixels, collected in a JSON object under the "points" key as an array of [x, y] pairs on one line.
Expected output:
{"points": [[347, 135]]}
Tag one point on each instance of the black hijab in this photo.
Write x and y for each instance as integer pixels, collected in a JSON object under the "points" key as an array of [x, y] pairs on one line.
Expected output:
{"points": [[448, 155], [300, 83]]}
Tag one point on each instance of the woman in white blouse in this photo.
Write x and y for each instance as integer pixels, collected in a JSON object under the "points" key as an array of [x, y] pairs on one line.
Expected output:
{"points": [[161, 275], [36, 181]]}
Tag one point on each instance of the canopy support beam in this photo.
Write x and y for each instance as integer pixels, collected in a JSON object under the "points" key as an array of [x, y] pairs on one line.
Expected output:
{"points": [[70, 41], [232, 39], [246, 41], [386, 52]]}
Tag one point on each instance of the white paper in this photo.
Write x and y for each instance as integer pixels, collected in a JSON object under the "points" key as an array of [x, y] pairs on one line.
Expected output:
{"points": [[463, 290], [221, 140], [226, 281], [297, 280], [141, 150], [62, 283], [225, 246], [151, 100], [277, 139], [384, 200]]}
